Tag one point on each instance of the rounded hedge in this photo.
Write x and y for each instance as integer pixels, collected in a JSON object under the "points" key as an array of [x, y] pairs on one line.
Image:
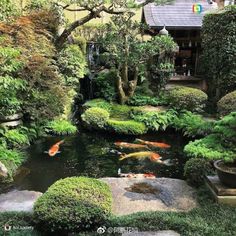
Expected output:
{"points": [[95, 117], [73, 204], [227, 103], [128, 127], [191, 99], [195, 170]]}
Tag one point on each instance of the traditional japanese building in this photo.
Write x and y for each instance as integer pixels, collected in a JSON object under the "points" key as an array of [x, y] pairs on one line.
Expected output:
{"points": [[183, 21]]}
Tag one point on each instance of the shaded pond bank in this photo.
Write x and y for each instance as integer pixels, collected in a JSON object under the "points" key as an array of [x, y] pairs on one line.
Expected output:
{"points": [[89, 154]]}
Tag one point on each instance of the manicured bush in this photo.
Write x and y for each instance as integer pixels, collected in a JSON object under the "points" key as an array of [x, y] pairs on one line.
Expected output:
{"points": [[73, 205], [95, 117], [60, 127], [193, 125], [195, 170], [219, 48], [128, 127], [227, 103], [191, 99]]}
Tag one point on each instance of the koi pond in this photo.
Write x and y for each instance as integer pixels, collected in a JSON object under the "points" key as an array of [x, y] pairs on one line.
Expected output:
{"points": [[94, 155]]}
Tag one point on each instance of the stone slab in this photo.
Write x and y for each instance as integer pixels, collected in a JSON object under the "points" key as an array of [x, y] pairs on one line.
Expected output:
{"points": [[18, 200], [167, 195], [158, 233], [226, 199], [219, 188]]}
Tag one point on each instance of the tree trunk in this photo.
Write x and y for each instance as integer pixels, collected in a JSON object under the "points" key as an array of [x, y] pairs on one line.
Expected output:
{"points": [[125, 87]]}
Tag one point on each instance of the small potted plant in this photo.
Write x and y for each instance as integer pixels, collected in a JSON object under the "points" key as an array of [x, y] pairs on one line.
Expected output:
{"points": [[220, 147]]}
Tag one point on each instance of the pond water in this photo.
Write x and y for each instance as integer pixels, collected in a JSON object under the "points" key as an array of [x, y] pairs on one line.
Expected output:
{"points": [[88, 154]]}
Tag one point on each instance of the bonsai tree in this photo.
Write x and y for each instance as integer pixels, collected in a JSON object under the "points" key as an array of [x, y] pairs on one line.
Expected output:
{"points": [[220, 145], [128, 54], [92, 8]]}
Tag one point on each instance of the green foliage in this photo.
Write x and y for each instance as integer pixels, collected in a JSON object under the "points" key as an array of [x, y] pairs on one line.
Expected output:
{"points": [[101, 103], [16, 137], [127, 127], [72, 63], [195, 170], [12, 159], [104, 86], [72, 205], [191, 99], [192, 125], [22, 223], [36, 4], [220, 144], [60, 127], [10, 86], [227, 103], [155, 120], [8, 10], [219, 48], [210, 148], [140, 100], [82, 43], [95, 117]]}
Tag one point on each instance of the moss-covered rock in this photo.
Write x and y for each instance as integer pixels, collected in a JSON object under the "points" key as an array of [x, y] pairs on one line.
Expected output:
{"points": [[227, 103], [72, 205], [128, 127]]}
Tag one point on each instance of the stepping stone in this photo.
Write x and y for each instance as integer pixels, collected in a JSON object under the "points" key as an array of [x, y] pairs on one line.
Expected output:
{"points": [[18, 200], [160, 194], [158, 233]]}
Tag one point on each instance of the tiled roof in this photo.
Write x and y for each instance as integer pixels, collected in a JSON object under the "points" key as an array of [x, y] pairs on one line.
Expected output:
{"points": [[177, 15]]}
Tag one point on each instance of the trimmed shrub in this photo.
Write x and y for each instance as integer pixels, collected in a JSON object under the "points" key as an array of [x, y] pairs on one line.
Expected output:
{"points": [[219, 48], [95, 117], [60, 127], [227, 103], [73, 205], [128, 127], [191, 99], [195, 169]]}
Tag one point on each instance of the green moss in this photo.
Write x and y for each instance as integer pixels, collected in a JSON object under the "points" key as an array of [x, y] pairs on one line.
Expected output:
{"points": [[73, 204], [128, 127], [60, 127], [181, 97], [101, 103], [95, 117], [227, 103]]}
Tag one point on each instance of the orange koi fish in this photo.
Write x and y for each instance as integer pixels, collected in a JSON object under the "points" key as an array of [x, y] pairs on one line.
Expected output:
{"points": [[154, 144], [55, 149], [129, 145]]}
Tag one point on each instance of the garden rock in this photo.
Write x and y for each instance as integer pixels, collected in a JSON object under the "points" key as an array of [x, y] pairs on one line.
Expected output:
{"points": [[160, 194], [3, 170], [18, 200]]}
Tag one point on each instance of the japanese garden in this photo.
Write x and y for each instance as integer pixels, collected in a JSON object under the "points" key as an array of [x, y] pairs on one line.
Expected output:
{"points": [[118, 117]]}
